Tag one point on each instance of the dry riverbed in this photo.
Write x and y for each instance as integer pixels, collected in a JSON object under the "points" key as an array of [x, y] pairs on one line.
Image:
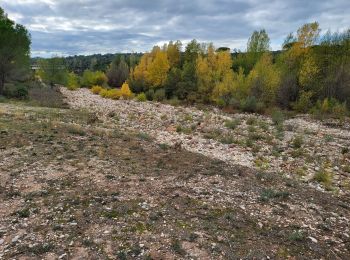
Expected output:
{"points": [[126, 180]]}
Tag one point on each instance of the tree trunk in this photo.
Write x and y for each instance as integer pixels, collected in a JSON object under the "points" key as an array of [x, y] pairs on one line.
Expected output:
{"points": [[2, 83]]}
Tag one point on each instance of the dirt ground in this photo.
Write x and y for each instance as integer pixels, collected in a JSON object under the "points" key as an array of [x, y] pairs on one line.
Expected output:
{"points": [[75, 187]]}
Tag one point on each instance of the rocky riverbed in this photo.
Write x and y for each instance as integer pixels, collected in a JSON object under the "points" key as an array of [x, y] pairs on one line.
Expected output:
{"points": [[305, 149]]}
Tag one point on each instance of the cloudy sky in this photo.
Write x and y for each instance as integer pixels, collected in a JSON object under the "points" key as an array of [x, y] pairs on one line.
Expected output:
{"points": [[69, 27]]}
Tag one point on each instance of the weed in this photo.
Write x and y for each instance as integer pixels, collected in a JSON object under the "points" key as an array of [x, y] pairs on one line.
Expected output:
{"points": [[176, 246], [141, 97], [24, 213], [324, 178], [41, 248], [249, 142], [76, 130], [227, 139], [268, 194], [185, 130], [346, 168], [345, 150], [297, 142], [264, 126], [144, 136], [297, 235], [328, 138], [164, 146], [251, 121], [232, 124], [277, 117]]}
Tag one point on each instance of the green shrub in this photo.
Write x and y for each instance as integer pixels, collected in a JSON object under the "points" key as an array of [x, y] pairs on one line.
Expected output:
{"points": [[18, 91], [249, 104], [104, 93], [174, 101], [304, 102], [73, 81], [297, 142], [297, 235], [340, 111], [2, 99], [277, 117], [149, 94], [113, 94], [234, 103], [232, 124], [251, 120], [324, 178], [159, 95], [141, 97], [268, 194], [92, 78], [96, 89]]}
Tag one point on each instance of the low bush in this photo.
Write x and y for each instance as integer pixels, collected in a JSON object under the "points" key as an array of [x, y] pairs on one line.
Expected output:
{"points": [[149, 94], [104, 93], [277, 117], [46, 97], [324, 178], [17, 90], [249, 104], [141, 97], [159, 95], [125, 91], [232, 124], [113, 94], [96, 89], [304, 103], [297, 142]]}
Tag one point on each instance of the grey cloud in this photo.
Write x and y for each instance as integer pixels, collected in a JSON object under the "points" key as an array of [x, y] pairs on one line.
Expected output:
{"points": [[68, 27]]}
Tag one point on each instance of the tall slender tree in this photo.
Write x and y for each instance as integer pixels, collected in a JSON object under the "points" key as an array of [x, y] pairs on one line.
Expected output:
{"points": [[14, 48]]}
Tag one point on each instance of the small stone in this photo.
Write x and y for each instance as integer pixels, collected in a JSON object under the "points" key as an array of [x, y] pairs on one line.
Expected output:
{"points": [[15, 239], [1, 241], [313, 239]]}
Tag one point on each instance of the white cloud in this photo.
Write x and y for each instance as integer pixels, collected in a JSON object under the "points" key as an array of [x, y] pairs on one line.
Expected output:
{"points": [[87, 26]]}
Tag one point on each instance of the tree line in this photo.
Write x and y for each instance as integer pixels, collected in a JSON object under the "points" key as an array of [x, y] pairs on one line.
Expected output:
{"points": [[311, 72]]}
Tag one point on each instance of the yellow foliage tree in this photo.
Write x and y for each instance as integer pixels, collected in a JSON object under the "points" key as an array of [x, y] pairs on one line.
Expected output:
{"points": [[174, 52], [264, 80], [214, 73], [157, 70], [223, 89], [204, 78], [240, 86], [308, 72], [140, 71], [125, 91]]}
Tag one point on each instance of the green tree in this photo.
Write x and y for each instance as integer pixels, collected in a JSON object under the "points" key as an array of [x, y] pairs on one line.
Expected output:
{"points": [[14, 49], [53, 71], [73, 81], [118, 72], [92, 78], [259, 42]]}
